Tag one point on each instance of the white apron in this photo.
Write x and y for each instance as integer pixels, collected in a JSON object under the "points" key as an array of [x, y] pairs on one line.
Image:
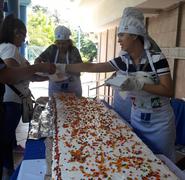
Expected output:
{"points": [[153, 119], [71, 85], [122, 105]]}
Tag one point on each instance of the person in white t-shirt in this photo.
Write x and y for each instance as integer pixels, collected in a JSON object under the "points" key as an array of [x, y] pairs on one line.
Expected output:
{"points": [[19, 74], [13, 33]]}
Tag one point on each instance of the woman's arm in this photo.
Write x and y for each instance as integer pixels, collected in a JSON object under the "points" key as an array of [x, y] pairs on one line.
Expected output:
{"points": [[14, 75], [38, 78], [10, 62], [89, 67], [164, 88], [34, 77]]}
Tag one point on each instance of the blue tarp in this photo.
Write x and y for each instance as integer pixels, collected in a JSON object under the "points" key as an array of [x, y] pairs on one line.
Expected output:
{"points": [[178, 106], [35, 149]]}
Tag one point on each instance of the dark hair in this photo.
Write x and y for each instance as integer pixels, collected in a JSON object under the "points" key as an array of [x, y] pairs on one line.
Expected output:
{"points": [[1, 18], [10, 27], [70, 44], [70, 47], [141, 38]]}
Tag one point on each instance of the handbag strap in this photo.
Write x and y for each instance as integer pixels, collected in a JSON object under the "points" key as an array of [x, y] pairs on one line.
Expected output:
{"points": [[16, 91], [20, 94]]}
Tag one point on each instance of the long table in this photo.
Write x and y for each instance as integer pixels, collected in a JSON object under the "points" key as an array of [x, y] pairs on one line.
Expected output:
{"points": [[35, 149]]}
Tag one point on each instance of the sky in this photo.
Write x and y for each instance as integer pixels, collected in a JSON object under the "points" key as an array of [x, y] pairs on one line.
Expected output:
{"points": [[54, 4], [69, 11]]}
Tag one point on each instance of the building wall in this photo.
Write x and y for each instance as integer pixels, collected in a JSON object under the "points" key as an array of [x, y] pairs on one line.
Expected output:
{"points": [[180, 63], [163, 28], [168, 30]]}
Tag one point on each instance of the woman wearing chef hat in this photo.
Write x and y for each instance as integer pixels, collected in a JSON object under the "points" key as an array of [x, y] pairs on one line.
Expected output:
{"points": [[64, 52], [121, 101], [148, 82]]}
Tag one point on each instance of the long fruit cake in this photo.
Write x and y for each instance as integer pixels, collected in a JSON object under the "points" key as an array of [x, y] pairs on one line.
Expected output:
{"points": [[90, 141]]}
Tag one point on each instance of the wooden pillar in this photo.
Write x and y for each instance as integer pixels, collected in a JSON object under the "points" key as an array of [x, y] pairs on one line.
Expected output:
{"points": [[179, 19]]}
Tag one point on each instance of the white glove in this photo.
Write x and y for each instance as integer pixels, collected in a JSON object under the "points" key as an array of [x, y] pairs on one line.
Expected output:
{"points": [[132, 84], [145, 77], [137, 81]]}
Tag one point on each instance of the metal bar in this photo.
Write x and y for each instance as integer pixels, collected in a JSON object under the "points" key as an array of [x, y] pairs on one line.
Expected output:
{"points": [[97, 86]]}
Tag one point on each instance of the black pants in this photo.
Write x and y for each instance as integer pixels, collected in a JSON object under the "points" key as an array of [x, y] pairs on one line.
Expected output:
{"points": [[2, 146], [1, 159], [12, 115], [3, 150]]}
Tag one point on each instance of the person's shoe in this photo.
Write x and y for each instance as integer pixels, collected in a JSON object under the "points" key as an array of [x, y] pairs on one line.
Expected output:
{"points": [[18, 149]]}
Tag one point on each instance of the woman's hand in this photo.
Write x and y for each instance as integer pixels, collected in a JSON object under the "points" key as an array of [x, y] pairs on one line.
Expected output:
{"points": [[38, 78], [46, 68]]}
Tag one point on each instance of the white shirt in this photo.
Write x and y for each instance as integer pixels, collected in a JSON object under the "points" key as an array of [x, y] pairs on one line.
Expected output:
{"points": [[8, 50]]}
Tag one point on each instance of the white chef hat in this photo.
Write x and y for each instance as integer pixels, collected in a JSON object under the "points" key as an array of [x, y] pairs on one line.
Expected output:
{"points": [[131, 11], [132, 22], [62, 33]]}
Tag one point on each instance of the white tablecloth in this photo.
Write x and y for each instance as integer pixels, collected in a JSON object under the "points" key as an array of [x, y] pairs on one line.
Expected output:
{"points": [[32, 170]]}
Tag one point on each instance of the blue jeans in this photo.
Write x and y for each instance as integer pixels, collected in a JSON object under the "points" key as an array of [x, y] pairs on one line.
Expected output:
{"points": [[12, 115]]}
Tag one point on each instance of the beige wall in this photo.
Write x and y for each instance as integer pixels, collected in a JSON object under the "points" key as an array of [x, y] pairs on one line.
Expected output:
{"points": [[107, 49], [163, 28], [168, 30], [180, 64]]}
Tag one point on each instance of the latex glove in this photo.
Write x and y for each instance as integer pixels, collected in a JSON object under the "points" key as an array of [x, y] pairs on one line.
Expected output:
{"points": [[145, 77], [45, 68], [132, 84]]}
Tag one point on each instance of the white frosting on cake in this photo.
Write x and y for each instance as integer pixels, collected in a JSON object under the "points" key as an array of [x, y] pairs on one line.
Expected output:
{"points": [[91, 142]]}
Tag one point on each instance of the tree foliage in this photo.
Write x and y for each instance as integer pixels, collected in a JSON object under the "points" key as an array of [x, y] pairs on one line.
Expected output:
{"points": [[40, 27], [41, 32], [87, 46]]}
